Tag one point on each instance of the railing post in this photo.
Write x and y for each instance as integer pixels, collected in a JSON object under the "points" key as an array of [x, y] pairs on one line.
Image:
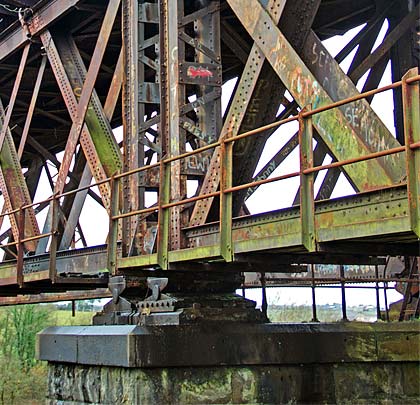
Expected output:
{"points": [[411, 112], [343, 294], [54, 239], [113, 226], [226, 248], [307, 205], [20, 247], [377, 290], [313, 286], [164, 214]]}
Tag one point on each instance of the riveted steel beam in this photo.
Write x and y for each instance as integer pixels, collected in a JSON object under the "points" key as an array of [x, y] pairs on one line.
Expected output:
{"points": [[41, 19], [12, 181], [55, 297], [411, 109], [86, 142], [274, 163], [86, 92], [407, 22], [109, 106], [332, 126], [377, 217], [360, 116], [235, 117], [134, 198], [14, 94], [173, 95], [32, 104], [106, 149], [14, 189], [78, 111], [328, 184]]}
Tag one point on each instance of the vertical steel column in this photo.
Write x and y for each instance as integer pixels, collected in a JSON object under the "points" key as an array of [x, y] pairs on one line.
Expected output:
{"points": [[386, 291], [378, 303], [20, 247], [343, 294], [164, 215], [264, 302], [226, 199], [138, 243], [313, 287], [402, 59], [207, 30], [411, 111], [173, 96], [113, 226], [307, 205], [148, 66], [131, 197], [410, 270], [55, 209]]}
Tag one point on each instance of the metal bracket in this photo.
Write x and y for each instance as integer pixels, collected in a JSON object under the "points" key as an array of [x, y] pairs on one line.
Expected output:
{"points": [[157, 302], [116, 285]]}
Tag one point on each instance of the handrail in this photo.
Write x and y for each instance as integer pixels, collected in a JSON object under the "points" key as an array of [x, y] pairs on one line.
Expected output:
{"points": [[242, 136], [227, 139]]}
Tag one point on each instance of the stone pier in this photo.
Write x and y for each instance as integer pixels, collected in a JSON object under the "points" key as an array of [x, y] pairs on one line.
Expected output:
{"points": [[344, 363]]}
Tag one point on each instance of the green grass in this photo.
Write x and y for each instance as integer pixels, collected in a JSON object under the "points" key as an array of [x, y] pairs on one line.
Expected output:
{"points": [[303, 313], [65, 318], [20, 384]]}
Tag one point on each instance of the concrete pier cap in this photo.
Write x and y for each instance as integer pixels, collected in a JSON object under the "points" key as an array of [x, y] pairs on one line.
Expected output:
{"points": [[231, 363]]}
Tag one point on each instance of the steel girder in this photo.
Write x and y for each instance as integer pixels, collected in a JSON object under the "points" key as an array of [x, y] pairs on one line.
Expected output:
{"points": [[329, 77], [340, 135], [17, 35], [97, 120], [171, 72], [250, 94], [12, 182]]}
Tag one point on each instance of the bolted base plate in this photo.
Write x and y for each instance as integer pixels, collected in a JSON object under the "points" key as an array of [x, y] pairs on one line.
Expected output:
{"points": [[180, 309]]}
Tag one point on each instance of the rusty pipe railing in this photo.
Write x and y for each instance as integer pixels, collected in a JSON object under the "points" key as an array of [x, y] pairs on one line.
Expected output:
{"points": [[226, 144]]}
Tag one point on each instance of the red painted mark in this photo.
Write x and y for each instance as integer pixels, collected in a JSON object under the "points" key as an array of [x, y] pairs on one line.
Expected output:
{"points": [[199, 72]]}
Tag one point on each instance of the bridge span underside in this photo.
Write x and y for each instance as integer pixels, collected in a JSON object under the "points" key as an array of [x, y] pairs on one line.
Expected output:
{"points": [[167, 153]]}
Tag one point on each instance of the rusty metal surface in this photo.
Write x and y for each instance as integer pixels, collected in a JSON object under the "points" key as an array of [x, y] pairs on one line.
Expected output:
{"points": [[242, 100], [13, 186], [13, 38], [303, 86], [171, 59], [55, 297]]}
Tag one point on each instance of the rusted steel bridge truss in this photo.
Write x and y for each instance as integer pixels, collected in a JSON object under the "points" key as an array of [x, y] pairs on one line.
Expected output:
{"points": [[175, 188]]}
